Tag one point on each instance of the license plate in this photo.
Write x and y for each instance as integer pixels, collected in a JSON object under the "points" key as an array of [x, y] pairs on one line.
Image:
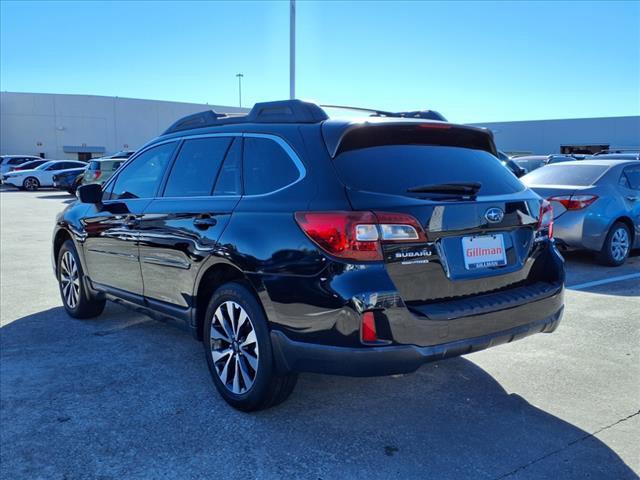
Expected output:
{"points": [[484, 251]]}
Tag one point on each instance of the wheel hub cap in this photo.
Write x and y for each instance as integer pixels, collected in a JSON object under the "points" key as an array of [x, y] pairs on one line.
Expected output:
{"points": [[69, 280], [234, 347], [619, 244]]}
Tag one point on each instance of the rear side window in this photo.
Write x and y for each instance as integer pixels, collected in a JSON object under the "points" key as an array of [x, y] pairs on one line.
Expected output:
{"points": [[632, 175], [94, 166], [196, 168], [230, 177], [142, 177], [580, 175], [266, 166], [393, 169]]}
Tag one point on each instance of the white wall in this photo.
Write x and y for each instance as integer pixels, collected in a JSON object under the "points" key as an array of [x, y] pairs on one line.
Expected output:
{"points": [[546, 136], [114, 123]]}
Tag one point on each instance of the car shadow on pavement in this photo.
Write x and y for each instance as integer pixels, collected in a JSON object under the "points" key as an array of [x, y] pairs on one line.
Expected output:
{"points": [[123, 396], [58, 196]]}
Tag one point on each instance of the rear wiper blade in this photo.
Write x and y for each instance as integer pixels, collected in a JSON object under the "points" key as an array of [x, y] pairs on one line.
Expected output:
{"points": [[460, 188]]}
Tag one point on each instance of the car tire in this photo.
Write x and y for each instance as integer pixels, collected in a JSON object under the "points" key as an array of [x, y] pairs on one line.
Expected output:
{"points": [[31, 184], [617, 245], [238, 350], [76, 298]]}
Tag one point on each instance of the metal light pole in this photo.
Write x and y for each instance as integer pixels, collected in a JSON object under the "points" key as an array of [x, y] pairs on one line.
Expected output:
{"points": [[239, 75], [292, 49]]}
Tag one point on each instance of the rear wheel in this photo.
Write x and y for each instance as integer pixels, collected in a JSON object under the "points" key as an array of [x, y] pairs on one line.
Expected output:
{"points": [[238, 350], [31, 184], [77, 300], [616, 246]]}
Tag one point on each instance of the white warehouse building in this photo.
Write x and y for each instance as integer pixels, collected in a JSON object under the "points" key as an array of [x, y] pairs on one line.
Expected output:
{"points": [[577, 135], [85, 126]]}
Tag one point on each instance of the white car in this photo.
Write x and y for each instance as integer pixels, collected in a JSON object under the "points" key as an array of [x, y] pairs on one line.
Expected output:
{"points": [[41, 176], [9, 161]]}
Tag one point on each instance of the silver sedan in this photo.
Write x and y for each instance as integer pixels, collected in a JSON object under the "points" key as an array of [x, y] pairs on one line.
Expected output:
{"points": [[596, 205]]}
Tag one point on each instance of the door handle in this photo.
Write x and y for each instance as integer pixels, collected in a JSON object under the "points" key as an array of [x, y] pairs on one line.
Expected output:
{"points": [[204, 222], [632, 198]]}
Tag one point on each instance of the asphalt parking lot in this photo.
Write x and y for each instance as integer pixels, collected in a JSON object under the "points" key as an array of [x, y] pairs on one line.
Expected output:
{"points": [[124, 396]]}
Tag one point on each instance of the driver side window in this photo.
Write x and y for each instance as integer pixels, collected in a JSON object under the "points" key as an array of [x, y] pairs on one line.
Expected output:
{"points": [[142, 177]]}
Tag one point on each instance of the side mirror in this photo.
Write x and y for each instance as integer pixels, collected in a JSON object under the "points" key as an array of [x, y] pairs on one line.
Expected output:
{"points": [[90, 193]]}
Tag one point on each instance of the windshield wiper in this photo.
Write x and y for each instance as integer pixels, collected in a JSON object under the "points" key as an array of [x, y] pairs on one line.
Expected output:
{"points": [[463, 189]]}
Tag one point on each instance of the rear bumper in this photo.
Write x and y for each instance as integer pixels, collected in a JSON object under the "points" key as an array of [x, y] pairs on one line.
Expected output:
{"points": [[581, 230], [297, 356]]}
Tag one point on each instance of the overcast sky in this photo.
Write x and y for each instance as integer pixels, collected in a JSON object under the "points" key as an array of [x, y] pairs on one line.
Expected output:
{"points": [[472, 61]]}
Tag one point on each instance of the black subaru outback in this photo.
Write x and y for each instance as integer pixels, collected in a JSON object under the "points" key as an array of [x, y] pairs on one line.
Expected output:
{"points": [[290, 242]]}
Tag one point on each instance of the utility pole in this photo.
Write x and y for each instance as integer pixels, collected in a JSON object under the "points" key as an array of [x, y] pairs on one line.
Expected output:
{"points": [[239, 75], [292, 49]]}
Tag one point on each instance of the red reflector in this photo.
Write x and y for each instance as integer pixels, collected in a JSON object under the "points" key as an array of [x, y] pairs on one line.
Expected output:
{"points": [[369, 327]]}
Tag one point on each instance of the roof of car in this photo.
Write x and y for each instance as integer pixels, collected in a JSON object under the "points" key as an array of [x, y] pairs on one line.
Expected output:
{"points": [[602, 161], [108, 159], [334, 131], [616, 156]]}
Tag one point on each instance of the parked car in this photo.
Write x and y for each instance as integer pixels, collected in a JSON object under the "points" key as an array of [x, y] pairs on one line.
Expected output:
{"points": [[9, 161], [41, 176], [101, 169], [596, 205], [30, 165], [69, 180], [122, 154], [289, 242], [615, 156], [533, 162], [516, 169]]}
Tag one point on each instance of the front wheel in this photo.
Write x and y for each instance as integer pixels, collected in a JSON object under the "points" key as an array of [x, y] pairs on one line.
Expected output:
{"points": [[31, 184], [77, 300], [616, 246], [238, 350]]}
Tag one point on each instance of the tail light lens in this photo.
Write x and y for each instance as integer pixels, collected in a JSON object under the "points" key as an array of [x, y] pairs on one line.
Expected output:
{"points": [[574, 202], [358, 235], [369, 333], [545, 219], [97, 174]]}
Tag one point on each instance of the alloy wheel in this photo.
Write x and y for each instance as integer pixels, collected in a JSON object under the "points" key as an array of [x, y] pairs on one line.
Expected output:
{"points": [[70, 280], [620, 244], [234, 347], [31, 184]]}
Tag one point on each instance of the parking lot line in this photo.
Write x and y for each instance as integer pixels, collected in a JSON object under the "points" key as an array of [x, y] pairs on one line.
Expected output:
{"points": [[595, 283]]}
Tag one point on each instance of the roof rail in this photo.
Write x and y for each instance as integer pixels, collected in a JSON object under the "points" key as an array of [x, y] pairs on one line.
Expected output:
{"points": [[423, 114], [282, 111]]}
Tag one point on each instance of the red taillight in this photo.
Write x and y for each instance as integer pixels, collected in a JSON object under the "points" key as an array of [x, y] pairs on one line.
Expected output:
{"points": [[358, 235], [545, 219], [369, 333], [574, 202], [97, 174]]}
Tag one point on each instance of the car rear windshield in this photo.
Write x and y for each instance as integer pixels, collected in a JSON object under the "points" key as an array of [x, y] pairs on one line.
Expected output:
{"points": [[395, 168], [581, 175]]}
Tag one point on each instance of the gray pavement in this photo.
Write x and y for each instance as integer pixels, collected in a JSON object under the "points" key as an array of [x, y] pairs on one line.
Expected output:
{"points": [[124, 396]]}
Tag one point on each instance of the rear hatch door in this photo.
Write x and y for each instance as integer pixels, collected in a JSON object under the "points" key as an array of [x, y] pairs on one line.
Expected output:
{"points": [[474, 244]]}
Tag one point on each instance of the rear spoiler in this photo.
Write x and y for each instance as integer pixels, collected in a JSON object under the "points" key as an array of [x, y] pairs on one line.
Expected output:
{"points": [[341, 136]]}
